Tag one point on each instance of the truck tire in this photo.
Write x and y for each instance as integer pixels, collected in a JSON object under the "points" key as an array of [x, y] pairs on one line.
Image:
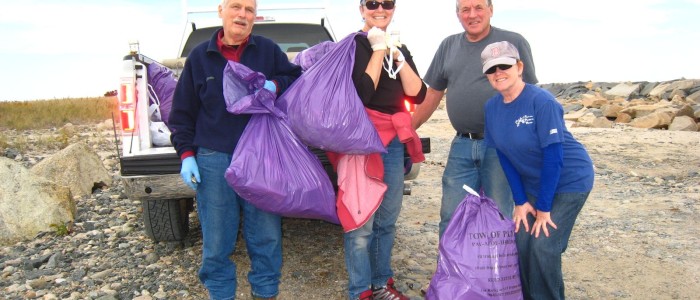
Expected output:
{"points": [[411, 170], [166, 220]]}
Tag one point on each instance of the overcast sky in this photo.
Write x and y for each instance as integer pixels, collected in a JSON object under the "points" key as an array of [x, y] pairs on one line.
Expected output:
{"points": [[73, 48]]}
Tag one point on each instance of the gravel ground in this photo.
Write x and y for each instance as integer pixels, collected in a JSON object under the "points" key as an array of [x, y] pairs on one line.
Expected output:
{"points": [[636, 238]]}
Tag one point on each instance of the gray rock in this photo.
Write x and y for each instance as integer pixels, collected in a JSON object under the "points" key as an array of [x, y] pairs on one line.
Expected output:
{"points": [[647, 88], [77, 167], [659, 90], [683, 123], [695, 97], [625, 90], [30, 204], [11, 153]]}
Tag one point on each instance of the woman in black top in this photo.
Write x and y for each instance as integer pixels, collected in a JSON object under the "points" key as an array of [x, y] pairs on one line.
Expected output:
{"points": [[384, 75]]}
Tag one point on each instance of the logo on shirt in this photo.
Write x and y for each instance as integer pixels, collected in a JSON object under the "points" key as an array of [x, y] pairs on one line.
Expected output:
{"points": [[527, 120], [553, 131], [210, 78]]}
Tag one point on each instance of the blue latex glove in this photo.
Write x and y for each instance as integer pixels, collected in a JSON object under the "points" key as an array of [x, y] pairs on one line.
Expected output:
{"points": [[190, 172], [270, 86]]}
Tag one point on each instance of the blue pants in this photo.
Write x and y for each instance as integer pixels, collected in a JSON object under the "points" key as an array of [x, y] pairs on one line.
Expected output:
{"points": [[470, 162], [368, 248], [540, 258], [220, 210]]}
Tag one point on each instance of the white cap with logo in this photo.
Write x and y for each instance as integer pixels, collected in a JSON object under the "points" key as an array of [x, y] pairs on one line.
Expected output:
{"points": [[499, 53]]}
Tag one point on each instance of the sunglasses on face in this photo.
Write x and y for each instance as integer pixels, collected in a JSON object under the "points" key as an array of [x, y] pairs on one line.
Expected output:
{"points": [[386, 5], [492, 70]]}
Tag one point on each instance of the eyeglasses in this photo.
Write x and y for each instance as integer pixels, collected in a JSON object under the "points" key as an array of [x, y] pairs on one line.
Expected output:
{"points": [[492, 70], [386, 5]]}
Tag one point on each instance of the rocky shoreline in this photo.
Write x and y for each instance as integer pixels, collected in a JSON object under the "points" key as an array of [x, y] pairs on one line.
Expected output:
{"points": [[637, 236], [673, 105]]}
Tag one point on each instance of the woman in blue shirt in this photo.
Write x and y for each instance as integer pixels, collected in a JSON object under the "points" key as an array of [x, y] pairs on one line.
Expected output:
{"points": [[549, 172]]}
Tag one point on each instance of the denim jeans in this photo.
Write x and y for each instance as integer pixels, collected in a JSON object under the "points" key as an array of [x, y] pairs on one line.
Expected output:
{"points": [[540, 258], [220, 209], [470, 162], [368, 248]]}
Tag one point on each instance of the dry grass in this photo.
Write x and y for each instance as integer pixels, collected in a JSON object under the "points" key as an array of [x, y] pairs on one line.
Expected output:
{"points": [[43, 114], [52, 115]]}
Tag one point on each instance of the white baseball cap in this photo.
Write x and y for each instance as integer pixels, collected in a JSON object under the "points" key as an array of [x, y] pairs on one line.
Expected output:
{"points": [[499, 53]]}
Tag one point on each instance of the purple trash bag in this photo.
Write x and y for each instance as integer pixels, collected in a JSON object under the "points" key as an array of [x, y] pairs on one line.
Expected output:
{"points": [[478, 258], [163, 81], [323, 107], [271, 168], [308, 57]]}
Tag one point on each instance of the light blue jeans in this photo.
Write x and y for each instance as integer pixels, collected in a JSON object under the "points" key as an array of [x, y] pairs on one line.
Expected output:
{"points": [[220, 209], [470, 162], [540, 258], [368, 248]]}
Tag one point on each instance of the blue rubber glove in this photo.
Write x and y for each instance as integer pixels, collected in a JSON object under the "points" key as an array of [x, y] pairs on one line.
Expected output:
{"points": [[190, 172], [270, 86]]}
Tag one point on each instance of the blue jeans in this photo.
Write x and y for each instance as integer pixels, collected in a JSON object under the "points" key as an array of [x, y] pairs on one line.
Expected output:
{"points": [[220, 209], [540, 258], [368, 248], [470, 162]]}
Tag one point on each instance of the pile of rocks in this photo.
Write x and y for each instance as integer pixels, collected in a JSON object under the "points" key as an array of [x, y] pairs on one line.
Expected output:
{"points": [[672, 105], [99, 249]]}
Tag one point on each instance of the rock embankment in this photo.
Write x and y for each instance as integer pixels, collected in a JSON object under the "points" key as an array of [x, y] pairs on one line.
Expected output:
{"points": [[672, 105]]}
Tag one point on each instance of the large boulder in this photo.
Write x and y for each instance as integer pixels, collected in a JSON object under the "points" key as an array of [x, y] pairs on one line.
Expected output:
{"points": [[695, 97], [611, 110], [602, 122], [659, 90], [625, 90], [686, 84], [654, 120], [575, 115], [77, 166], [30, 204], [623, 118], [683, 123], [594, 101], [686, 110]]}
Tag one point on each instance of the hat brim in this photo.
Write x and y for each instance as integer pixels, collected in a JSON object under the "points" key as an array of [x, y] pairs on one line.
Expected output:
{"points": [[499, 61]]}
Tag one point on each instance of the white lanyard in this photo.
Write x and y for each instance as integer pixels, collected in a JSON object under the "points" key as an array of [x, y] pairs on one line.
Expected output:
{"points": [[389, 66]]}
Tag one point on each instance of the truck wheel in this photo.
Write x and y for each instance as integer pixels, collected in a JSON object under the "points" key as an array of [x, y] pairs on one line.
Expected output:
{"points": [[166, 220], [412, 173]]}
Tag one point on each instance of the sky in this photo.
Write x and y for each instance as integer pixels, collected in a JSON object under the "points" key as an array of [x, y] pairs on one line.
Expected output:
{"points": [[54, 49]]}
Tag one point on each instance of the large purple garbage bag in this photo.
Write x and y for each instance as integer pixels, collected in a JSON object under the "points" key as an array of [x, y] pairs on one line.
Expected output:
{"points": [[308, 57], [324, 109], [478, 258], [271, 168], [163, 81]]}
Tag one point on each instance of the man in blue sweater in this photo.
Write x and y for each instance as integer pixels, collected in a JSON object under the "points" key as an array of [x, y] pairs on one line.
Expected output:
{"points": [[205, 135]]}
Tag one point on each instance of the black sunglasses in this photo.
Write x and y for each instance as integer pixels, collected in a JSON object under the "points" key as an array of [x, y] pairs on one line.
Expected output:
{"points": [[386, 5], [492, 70]]}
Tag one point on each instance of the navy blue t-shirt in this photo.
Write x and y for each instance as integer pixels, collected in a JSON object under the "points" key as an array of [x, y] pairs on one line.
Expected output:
{"points": [[522, 128]]}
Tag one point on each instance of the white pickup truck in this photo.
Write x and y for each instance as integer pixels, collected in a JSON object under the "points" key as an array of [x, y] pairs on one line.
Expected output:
{"points": [[150, 173]]}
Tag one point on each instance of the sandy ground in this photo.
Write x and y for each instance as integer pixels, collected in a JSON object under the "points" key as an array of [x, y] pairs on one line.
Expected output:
{"points": [[637, 236]]}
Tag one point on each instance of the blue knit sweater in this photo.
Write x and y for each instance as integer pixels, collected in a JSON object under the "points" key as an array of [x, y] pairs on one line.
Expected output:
{"points": [[198, 117]]}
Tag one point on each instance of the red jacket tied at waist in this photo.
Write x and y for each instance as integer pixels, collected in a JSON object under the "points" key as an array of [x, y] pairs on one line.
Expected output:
{"points": [[361, 177]]}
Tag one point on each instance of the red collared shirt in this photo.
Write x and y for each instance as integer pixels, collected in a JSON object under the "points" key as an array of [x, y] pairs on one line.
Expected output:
{"points": [[231, 52]]}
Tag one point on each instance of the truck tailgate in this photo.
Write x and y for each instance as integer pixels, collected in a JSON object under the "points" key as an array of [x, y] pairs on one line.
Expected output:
{"points": [[150, 164]]}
